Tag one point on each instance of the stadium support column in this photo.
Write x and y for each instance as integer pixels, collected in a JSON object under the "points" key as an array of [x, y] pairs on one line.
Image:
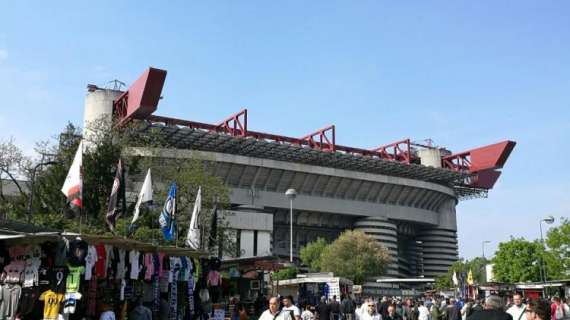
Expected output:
{"points": [[98, 113], [439, 243], [386, 233]]}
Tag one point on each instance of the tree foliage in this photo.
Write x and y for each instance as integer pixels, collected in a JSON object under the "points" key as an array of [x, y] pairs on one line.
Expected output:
{"points": [[519, 260], [558, 240], [311, 254], [356, 256], [285, 273]]}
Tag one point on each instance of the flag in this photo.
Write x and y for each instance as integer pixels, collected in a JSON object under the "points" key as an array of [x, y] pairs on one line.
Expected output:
{"points": [[167, 219], [73, 185], [470, 278], [193, 236], [213, 229], [117, 192], [454, 279], [145, 197]]}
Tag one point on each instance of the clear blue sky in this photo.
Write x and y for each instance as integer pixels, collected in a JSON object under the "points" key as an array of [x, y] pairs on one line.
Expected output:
{"points": [[463, 73]]}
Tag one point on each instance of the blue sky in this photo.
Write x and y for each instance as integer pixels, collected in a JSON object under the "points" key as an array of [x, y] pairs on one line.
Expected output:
{"points": [[463, 73]]}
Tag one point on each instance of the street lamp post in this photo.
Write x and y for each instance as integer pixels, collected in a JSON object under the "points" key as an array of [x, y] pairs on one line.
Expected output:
{"points": [[291, 194], [483, 243], [547, 220]]}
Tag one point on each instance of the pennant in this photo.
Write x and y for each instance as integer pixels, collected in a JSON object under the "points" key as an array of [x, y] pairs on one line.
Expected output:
{"points": [[167, 219], [73, 185], [145, 198], [193, 236], [470, 278], [118, 191]]}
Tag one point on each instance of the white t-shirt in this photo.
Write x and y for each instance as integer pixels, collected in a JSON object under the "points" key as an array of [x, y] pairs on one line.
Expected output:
{"points": [[90, 260], [424, 313], [266, 315], [307, 315], [296, 311], [135, 267], [517, 312]]}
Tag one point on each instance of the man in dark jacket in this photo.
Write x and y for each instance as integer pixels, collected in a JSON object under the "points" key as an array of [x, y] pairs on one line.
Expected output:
{"points": [[323, 310], [453, 311], [494, 310]]}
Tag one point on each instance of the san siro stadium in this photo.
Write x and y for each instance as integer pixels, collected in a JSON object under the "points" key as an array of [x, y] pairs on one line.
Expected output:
{"points": [[403, 194]]}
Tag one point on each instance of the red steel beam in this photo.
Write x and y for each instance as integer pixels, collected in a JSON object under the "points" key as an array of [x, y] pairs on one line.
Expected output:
{"points": [[399, 151], [235, 125], [322, 141], [141, 99], [484, 158]]}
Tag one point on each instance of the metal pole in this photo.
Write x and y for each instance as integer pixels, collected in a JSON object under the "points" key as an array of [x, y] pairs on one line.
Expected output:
{"points": [[483, 248], [291, 231], [542, 269]]}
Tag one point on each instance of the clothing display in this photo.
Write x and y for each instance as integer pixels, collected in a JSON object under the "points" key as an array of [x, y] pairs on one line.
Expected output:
{"points": [[52, 301], [77, 279]]}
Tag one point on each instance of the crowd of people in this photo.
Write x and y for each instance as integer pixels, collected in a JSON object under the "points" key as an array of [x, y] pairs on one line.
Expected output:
{"points": [[491, 308]]}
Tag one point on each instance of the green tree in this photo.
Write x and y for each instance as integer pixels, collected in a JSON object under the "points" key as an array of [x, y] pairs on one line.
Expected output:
{"points": [[311, 254], [285, 273], [558, 240], [99, 166], [356, 256], [519, 260], [14, 166]]}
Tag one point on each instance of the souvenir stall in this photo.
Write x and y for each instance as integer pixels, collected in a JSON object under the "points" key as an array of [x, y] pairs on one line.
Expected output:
{"points": [[67, 276], [309, 288]]}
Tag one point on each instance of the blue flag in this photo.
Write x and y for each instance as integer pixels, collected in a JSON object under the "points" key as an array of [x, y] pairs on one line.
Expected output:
{"points": [[167, 219]]}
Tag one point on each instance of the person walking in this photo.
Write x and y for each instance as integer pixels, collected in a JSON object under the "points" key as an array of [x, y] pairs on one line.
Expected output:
{"points": [[557, 311], [517, 310], [453, 311], [289, 306], [423, 312], [494, 310], [392, 314], [273, 313], [435, 311], [335, 309], [347, 307], [537, 310], [323, 310], [370, 313]]}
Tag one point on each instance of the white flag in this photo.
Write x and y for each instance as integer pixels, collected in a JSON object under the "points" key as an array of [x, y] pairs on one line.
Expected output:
{"points": [[73, 185], [145, 195], [454, 279], [193, 236]]}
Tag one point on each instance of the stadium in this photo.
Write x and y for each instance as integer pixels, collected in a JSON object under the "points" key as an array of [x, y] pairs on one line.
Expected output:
{"points": [[403, 194]]}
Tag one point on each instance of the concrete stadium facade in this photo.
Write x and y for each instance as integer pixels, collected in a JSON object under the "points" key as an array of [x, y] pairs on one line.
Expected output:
{"points": [[414, 219]]}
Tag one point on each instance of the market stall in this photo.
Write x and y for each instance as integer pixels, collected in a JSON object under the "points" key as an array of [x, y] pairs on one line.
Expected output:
{"points": [[54, 275]]}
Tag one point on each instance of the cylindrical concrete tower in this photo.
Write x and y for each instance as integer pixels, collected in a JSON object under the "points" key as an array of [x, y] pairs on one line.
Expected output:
{"points": [[98, 113], [386, 233], [430, 157]]}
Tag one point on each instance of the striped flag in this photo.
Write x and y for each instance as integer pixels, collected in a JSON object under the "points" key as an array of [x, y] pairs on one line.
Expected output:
{"points": [[118, 191], [167, 219], [73, 185]]}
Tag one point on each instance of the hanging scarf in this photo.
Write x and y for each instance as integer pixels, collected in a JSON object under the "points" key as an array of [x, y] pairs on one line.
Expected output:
{"points": [[156, 288], [190, 290]]}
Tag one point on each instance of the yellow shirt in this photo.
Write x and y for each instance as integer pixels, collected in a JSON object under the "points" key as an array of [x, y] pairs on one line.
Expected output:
{"points": [[52, 302]]}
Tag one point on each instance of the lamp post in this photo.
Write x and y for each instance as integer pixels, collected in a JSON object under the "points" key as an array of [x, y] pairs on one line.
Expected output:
{"points": [[483, 243], [291, 194], [547, 220]]}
